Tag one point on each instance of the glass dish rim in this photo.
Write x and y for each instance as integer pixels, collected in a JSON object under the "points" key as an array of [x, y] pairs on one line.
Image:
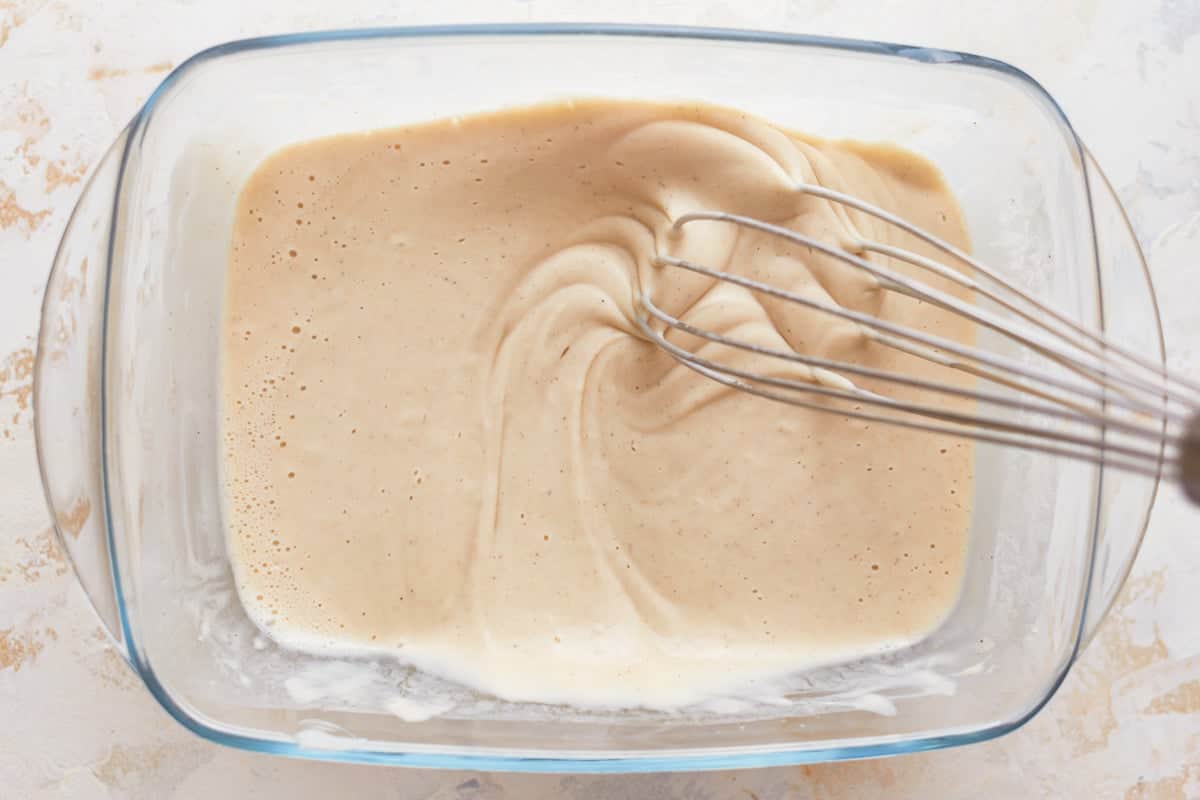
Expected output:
{"points": [[704, 759]]}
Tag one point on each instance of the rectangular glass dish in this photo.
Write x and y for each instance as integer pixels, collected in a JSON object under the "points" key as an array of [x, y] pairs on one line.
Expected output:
{"points": [[129, 405]]}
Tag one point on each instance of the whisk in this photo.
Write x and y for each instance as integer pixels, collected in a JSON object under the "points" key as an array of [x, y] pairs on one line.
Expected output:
{"points": [[1075, 393]]}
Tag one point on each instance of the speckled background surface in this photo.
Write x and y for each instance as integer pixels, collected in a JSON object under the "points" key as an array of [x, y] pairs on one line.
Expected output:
{"points": [[75, 722]]}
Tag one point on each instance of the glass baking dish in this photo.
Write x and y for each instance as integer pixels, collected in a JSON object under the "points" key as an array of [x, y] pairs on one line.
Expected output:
{"points": [[128, 411]]}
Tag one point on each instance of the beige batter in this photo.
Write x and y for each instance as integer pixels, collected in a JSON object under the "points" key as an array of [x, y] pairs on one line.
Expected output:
{"points": [[445, 439]]}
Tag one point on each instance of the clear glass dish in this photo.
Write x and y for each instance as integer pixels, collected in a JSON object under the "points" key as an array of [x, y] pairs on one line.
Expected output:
{"points": [[128, 405]]}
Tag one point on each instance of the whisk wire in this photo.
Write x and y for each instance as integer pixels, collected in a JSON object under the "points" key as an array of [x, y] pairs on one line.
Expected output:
{"points": [[837, 367], [722, 373], [993, 360], [889, 279], [1134, 415]]}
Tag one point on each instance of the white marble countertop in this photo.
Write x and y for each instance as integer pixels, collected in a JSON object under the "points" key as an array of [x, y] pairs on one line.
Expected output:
{"points": [[77, 723]]}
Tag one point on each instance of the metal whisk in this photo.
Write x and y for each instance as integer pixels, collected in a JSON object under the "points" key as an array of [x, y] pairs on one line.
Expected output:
{"points": [[1103, 404]]}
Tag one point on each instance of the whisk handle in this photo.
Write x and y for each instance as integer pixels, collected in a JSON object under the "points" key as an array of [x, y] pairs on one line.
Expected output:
{"points": [[1189, 460]]}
